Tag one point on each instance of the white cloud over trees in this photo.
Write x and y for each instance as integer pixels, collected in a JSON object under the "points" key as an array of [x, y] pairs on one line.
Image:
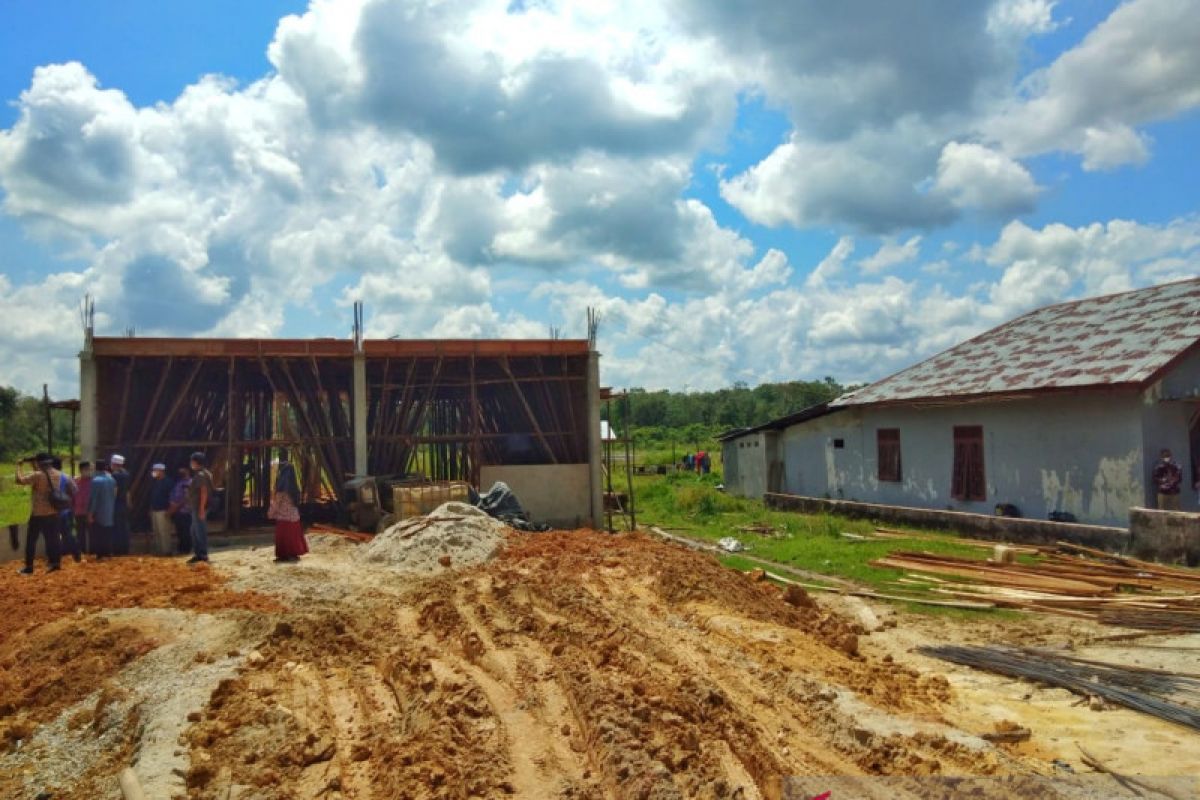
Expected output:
{"points": [[471, 168]]}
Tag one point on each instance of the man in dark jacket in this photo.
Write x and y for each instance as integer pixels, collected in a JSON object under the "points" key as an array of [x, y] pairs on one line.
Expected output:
{"points": [[1168, 479], [160, 513]]}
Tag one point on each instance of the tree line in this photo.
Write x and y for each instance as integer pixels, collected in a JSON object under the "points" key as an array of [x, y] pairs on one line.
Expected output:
{"points": [[23, 425], [738, 406]]}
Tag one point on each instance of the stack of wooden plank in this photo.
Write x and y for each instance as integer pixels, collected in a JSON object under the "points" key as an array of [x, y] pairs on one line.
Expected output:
{"points": [[1070, 580]]}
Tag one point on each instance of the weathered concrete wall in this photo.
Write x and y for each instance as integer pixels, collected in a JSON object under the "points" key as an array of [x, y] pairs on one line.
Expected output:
{"points": [[747, 462], [556, 494], [1080, 453], [1168, 410], [1007, 529], [731, 470], [7, 553], [1165, 535]]}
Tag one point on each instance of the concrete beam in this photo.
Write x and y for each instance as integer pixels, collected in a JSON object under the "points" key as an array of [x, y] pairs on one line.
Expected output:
{"points": [[88, 410], [594, 445]]}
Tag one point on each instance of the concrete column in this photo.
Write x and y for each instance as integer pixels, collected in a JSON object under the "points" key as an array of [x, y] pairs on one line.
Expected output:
{"points": [[89, 411], [594, 443], [359, 397]]}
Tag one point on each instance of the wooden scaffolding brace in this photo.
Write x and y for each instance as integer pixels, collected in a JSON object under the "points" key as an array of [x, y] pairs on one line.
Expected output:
{"points": [[613, 505]]}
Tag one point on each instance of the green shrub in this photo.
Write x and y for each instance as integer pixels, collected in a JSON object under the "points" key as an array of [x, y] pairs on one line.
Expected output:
{"points": [[704, 501]]}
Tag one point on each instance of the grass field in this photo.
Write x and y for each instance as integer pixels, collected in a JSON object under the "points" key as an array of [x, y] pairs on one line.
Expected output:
{"points": [[691, 505], [14, 499]]}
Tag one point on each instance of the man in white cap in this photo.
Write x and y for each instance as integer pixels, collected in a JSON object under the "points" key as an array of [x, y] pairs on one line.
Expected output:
{"points": [[160, 514], [120, 543]]}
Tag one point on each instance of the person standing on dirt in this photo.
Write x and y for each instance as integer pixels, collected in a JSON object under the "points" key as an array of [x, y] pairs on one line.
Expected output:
{"points": [[102, 505], [66, 517], [199, 494], [181, 515], [1168, 479], [285, 510], [160, 505], [83, 493], [43, 516], [120, 538]]}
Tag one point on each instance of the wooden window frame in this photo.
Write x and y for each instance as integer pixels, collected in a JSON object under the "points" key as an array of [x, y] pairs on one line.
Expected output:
{"points": [[968, 477], [889, 463]]}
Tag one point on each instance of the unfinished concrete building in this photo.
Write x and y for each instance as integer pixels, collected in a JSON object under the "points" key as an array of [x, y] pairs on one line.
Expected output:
{"points": [[525, 412]]}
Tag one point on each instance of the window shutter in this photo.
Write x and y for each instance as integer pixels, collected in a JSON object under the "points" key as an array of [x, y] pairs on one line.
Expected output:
{"points": [[968, 481], [887, 442]]}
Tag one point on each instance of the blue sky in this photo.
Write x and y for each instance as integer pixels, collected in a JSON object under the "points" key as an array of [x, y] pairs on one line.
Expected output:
{"points": [[789, 190]]}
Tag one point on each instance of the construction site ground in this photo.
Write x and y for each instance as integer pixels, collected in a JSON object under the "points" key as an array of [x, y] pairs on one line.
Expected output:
{"points": [[574, 665]]}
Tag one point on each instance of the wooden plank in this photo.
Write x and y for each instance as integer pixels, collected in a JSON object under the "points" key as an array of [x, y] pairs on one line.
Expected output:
{"points": [[1004, 577], [123, 409], [529, 411], [110, 346], [162, 382]]}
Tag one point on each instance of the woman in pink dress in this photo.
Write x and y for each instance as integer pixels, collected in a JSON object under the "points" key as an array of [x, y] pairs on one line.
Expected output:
{"points": [[285, 510]]}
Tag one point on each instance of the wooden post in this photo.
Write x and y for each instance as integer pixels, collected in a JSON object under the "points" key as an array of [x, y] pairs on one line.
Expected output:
{"points": [[233, 472], [123, 409], [476, 420], [628, 417], [49, 420], [537, 429]]}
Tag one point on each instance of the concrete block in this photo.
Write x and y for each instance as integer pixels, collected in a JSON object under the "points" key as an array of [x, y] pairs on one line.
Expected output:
{"points": [[1171, 536], [556, 494], [982, 526]]}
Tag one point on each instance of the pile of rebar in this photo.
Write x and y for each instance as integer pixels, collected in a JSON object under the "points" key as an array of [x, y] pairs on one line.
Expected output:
{"points": [[1136, 688]]}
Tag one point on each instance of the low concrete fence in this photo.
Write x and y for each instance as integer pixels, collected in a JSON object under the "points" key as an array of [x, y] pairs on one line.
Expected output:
{"points": [[1165, 535], [984, 526]]}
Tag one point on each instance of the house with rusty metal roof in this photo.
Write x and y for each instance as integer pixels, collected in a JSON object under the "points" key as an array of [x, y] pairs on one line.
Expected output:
{"points": [[1060, 413]]}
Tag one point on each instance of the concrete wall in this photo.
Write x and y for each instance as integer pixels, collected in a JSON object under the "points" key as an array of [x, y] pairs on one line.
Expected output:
{"points": [[731, 469], [746, 463], [1165, 535], [985, 526], [1168, 412], [1080, 453], [556, 494]]}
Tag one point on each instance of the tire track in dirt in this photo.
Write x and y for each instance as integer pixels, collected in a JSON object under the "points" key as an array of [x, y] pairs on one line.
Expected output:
{"points": [[576, 666]]}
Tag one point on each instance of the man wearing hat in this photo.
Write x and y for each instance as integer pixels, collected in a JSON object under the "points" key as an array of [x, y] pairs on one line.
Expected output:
{"points": [[160, 514], [43, 516], [120, 537]]}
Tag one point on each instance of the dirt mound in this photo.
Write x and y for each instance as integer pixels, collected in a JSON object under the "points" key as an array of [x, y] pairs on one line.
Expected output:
{"points": [[453, 535], [57, 666], [27, 602], [573, 665]]}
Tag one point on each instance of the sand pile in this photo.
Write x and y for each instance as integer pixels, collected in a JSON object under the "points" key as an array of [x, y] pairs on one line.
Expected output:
{"points": [[453, 535]]}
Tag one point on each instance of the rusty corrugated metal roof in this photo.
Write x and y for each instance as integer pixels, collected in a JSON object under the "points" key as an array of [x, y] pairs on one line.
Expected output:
{"points": [[1118, 339]]}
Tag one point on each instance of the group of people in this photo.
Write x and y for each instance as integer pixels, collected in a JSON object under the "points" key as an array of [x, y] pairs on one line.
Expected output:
{"points": [[699, 462], [89, 513]]}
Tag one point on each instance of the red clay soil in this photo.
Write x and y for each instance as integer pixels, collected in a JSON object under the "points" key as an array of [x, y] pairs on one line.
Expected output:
{"points": [[576, 665], [30, 601], [58, 665]]}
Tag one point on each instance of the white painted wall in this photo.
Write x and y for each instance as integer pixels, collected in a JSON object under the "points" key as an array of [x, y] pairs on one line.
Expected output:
{"points": [[556, 494], [1078, 453], [746, 462]]}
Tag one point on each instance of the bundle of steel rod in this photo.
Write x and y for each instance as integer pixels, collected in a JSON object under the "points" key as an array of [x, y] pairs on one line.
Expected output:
{"points": [[1137, 689], [1070, 580]]}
